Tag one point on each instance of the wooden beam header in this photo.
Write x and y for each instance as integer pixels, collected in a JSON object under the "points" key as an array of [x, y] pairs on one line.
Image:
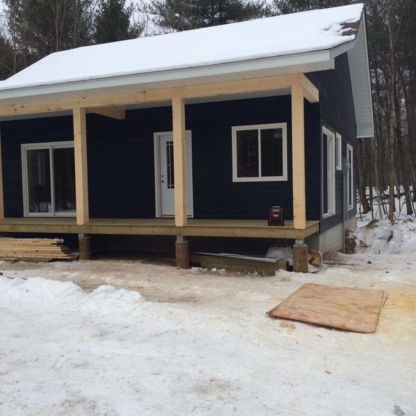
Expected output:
{"points": [[94, 102], [117, 112], [310, 92]]}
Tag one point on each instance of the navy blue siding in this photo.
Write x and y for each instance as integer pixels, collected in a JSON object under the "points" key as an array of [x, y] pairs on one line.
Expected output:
{"points": [[121, 159], [121, 163], [215, 194], [338, 115]]}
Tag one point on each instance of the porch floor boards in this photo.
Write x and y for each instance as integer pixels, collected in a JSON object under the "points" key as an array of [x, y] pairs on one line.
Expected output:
{"points": [[159, 226]]}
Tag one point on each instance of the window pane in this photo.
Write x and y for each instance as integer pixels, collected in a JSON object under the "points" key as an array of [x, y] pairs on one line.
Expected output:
{"points": [[325, 172], [247, 154], [272, 152], [64, 172], [39, 180]]}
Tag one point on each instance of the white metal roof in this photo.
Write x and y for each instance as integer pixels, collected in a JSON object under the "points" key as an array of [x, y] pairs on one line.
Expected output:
{"points": [[300, 42]]}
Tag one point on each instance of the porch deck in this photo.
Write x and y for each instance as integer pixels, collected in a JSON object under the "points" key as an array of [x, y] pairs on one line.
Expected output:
{"points": [[159, 226]]}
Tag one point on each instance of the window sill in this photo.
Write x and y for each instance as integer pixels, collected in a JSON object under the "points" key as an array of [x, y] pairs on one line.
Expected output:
{"points": [[265, 179], [49, 215]]}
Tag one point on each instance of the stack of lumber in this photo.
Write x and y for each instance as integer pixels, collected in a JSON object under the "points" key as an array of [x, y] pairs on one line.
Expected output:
{"points": [[38, 249]]}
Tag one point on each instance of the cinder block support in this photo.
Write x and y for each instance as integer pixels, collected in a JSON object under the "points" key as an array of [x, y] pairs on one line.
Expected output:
{"points": [[300, 257], [182, 253], [84, 244]]}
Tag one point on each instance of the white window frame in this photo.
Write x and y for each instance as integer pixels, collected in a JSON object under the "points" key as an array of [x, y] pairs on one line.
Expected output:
{"points": [[260, 127], [40, 146], [350, 149], [330, 173], [338, 150]]}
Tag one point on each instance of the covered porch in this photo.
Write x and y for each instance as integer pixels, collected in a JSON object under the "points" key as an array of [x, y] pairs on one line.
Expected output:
{"points": [[114, 105]]}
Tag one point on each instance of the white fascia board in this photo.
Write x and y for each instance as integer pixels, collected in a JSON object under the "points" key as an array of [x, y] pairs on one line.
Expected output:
{"points": [[339, 50], [369, 131], [319, 57], [366, 127], [365, 132]]}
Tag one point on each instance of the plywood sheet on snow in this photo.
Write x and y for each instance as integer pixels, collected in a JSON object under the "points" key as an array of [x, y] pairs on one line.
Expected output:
{"points": [[345, 308]]}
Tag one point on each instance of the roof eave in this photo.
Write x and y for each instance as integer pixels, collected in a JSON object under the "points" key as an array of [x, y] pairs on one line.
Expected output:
{"points": [[288, 63]]}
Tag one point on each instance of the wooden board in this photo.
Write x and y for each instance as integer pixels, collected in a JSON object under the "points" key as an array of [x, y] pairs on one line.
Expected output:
{"points": [[238, 264], [298, 157], [244, 86], [34, 249], [345, 308], [81, 165]]}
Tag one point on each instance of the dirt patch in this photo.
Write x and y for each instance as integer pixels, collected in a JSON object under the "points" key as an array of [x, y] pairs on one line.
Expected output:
{"points": [[350, 242]]}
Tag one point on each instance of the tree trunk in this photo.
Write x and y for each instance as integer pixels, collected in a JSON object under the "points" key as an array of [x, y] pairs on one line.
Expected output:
{"points": [[379, 200], [392, 108], [361, 178]]}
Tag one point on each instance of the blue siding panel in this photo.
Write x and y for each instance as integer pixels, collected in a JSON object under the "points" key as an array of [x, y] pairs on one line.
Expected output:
{"points": [[338, 115], [121, 159]]}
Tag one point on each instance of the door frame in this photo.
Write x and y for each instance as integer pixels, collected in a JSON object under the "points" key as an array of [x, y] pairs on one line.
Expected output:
{"points": [[158, 188]]}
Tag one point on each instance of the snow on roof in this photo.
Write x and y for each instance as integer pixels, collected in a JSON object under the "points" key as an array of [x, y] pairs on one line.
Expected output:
{"points": [[263, 38]]}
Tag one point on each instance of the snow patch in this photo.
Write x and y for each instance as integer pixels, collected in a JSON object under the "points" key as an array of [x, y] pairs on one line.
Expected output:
{"points": [[211, 351], [37, 289], [387, 237]]}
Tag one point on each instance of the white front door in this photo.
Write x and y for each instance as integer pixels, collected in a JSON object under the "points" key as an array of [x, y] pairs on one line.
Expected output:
{"points": [[165, 177]]}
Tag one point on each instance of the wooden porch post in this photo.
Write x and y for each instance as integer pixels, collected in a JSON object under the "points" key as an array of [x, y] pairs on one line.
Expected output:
{"points": [[1, 185], [298, 157], [81, 169], [179, 157]]}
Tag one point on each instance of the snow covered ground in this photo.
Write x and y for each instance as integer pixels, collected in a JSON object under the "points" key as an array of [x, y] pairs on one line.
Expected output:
{"points": [[163, 341]]}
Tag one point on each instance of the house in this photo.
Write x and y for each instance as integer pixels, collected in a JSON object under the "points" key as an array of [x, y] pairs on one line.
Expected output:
{"points": [[192, 134]]}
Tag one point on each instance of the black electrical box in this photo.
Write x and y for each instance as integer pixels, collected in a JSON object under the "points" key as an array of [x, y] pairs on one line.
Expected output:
{"points": [[276, 216]]}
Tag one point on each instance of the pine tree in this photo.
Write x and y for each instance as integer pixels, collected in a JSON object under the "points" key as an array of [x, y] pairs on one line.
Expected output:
{"points": [[113, 22], [180, 15], [293, 6], [37, 28], [7, 58]]}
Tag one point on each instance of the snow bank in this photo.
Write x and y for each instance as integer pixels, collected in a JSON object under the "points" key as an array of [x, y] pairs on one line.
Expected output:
{"points": [[50, 292], [387, 237]]}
